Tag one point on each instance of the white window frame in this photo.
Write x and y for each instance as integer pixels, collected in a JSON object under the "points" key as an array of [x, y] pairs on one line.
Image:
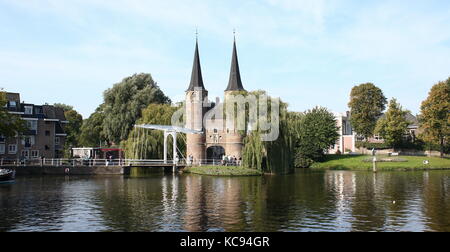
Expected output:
{"points": [[25, 154], [32, 124], [2, 148], [28, 110], [32, 140], [34, 152], [12, 151]]}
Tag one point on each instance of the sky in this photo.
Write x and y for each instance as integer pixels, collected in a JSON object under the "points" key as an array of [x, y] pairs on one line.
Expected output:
{"points": [[307, 52]]}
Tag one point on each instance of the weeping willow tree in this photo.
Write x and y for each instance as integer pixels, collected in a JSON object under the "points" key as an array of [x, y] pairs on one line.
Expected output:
{"points": [[149, 144], [277, 156]]}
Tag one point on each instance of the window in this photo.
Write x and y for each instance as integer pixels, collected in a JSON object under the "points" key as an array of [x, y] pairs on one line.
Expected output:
{"points": [[2, 139], [38, 110], [2, 149], [28, 141], [57, 140], [25, 154], [28, 110], [32, 125], [12, 104], [47, 133], [378, 138], [12, 149], [34, 153]]}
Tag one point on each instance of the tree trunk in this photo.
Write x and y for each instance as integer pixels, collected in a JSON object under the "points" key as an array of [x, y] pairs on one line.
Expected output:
{"points": [[442, 147]]}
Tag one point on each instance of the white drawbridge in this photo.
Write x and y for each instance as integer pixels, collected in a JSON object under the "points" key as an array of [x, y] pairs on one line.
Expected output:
{"points": [[169, 131]]}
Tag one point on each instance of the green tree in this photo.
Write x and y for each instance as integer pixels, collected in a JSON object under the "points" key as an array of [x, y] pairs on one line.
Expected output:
{"points": [[123, 104], [367, 103], [91, 133], [149, 144], [393, 125], [274, 157], [73, 128], [435, 115], [317, 132], [65, 107], [10, 125]]}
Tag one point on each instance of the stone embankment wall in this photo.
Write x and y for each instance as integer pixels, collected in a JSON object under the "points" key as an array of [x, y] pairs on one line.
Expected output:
{"points": [[69, 170]]}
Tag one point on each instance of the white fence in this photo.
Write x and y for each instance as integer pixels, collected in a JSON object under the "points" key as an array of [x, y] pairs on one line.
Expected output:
{"points": [[58, 162]]}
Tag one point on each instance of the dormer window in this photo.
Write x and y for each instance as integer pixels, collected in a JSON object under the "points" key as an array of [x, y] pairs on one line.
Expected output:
{"points": [[28, 110]]}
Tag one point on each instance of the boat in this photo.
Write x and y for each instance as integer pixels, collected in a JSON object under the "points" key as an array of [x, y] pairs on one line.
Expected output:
{"points": [[7, 175]]}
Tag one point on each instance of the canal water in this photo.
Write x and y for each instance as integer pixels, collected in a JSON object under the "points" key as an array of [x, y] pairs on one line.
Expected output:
{"points": [[306, 201]]}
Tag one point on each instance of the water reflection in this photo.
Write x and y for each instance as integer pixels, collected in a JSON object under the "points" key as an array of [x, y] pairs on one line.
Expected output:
{"points": [[307, 201]]}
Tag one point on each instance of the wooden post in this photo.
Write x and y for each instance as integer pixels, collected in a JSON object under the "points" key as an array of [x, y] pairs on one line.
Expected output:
{"points": [[374, 164]]}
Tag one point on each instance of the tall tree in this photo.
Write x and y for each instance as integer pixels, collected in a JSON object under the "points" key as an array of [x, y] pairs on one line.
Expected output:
{"points": [[367, 103], [317, 132], [149, 144], [393, 125], [435, 115], [10, 125], [92, 134], [123, 104], [73, 128]]}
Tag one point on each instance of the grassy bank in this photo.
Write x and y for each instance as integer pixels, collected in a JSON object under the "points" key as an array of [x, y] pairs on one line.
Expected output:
{"points": [[222, 171], [341, 162]]}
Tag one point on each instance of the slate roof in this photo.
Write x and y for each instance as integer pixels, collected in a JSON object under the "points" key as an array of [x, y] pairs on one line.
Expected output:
{"points": [[196, 77], [235, 82]]}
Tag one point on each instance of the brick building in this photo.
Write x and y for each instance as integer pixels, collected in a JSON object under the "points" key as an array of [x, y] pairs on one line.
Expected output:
{"points": [[45, 136]]}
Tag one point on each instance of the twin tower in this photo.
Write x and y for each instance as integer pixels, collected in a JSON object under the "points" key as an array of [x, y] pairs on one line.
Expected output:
{"points": [[217, 138]]}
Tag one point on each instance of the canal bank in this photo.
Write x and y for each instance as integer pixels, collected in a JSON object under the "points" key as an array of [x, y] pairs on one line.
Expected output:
{"points": [[225, 171], [69, 170], [384, 163]]}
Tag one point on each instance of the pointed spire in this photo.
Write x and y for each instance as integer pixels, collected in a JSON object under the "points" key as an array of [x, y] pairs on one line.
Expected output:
{"points": [[196, 77], [235, 83]]}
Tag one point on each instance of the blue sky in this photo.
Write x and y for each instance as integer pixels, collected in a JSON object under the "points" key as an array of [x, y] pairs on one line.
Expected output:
{"points": [[308, 52]]}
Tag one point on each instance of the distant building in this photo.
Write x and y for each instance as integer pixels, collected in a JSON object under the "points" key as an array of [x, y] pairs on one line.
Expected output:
{"points": [[347, 137], [45, 136], [98, 153], [411, 133]]}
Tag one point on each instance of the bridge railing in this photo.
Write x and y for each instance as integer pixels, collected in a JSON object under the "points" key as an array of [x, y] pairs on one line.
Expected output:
{"points": [[58, 162]]}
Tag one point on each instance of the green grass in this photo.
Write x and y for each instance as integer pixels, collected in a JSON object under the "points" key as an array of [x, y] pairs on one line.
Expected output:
{"points": [[222, 171], [337, 162]]}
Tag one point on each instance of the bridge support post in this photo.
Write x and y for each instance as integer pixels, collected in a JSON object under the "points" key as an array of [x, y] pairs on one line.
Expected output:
{"points": [[166, 138]]}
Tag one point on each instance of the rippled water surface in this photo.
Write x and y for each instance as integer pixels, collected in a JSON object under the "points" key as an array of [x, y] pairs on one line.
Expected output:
{"points": [[306, 201]]}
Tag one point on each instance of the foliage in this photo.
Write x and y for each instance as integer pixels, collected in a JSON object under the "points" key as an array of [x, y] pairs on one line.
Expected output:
{"points": [[274, 157], [10, 125], [317, 132], [435, 115], [392, 127], [223, 171], [367, 102], [65, 107], [123, 104], [92, 134], [72, 129], [149, 144], [370, 146]]}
